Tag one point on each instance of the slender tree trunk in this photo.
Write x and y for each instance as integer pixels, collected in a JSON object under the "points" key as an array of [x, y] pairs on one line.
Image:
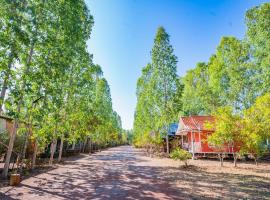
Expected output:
{"points": [[85, 145], [53, 147], [10, 148], [80, 147], [5, 83], [256, 160], [34, 155], [61, 149], [235, 156], [221, 159], [24, 149], [16, 121], [90, 144], [167, 143], [186, 163], [73, 146]]}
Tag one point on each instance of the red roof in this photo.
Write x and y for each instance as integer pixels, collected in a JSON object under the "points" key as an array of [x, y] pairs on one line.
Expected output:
{"points": [[195, 122]]}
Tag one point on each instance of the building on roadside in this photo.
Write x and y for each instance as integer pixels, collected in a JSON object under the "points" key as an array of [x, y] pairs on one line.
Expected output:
{"points": [[193, 136]]}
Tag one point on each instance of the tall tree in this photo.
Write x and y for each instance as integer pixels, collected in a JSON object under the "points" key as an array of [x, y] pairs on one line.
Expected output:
{"points": [[157, 90], [258, 37]]}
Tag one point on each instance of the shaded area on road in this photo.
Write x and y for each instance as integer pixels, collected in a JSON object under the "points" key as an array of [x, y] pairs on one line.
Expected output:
{"points": [[125, 173]]}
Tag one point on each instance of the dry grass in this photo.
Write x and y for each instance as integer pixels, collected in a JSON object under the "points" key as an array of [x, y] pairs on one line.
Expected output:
{"points": [[207, 179]]}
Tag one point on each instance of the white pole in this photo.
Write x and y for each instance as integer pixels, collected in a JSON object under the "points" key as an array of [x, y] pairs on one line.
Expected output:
{"points": [[192, 139], [182, 140]]}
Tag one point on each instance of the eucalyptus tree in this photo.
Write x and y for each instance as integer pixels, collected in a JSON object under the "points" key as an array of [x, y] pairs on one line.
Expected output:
{"points": [[53, 28], [256, 126], [164, 78], [33, 18], [73, 31], [229, 75], [257, 36], [12, 38], [157, 91], [144, 112], [225, 80], [198, 96]]}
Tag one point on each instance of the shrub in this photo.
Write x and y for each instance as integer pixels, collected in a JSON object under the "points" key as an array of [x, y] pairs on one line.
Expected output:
{"points": [[180, 154]]}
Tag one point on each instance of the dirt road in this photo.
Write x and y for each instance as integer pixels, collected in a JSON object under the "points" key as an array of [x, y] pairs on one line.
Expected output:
{"points": [[125, 173]]}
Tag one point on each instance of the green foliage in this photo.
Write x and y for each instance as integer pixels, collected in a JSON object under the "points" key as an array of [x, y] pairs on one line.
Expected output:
{"points": [[57, 89], [247, 133], [256, 126], [227, 128], [180, 154], [4, 141], [258, 37], [236, 74], [198, 96], [158, 93]]}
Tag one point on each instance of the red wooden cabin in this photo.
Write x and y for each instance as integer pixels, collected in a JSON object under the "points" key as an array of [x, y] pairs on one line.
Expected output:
{"points": [[194, 134]]}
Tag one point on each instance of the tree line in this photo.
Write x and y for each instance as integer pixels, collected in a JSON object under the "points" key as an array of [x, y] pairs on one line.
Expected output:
{"points": [[234, 83], [48, 79]]}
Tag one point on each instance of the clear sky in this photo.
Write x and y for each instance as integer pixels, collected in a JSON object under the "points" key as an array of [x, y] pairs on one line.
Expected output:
{"points": [[124, 31]]}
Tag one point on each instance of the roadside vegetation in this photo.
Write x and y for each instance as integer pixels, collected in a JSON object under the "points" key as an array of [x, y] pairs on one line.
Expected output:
{"points": [[49, 82], [233, 86]]}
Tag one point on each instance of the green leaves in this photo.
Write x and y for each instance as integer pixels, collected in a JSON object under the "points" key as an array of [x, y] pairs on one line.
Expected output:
{"points": [[180, 154], [43, 53], [247, 133], [158, 92], [236, 74]]}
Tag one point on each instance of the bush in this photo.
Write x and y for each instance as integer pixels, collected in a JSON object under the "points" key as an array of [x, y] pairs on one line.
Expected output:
{"points": [[180, 154], [4, 140]]}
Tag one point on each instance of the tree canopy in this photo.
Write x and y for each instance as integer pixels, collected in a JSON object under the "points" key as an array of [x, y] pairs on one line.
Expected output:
{"points": [[52, 83]]}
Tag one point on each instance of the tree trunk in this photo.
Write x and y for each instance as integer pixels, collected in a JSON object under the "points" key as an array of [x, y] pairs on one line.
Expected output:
{"points": [[24, 149], [221, 159], [186, 163], [235, 156], [5, 83], [167, 143], [10, 148], [73, 146], [53, 147], [256, 160], [16, 120], [35, 155], [84, 145], [61, 149], [80, 150], [90, 144]]}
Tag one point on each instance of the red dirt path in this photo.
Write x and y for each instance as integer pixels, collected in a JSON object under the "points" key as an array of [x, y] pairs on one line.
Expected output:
{"points": [[125, 173]]}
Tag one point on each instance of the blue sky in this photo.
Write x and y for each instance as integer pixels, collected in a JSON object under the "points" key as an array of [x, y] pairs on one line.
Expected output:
{"points": [[124, 31]]}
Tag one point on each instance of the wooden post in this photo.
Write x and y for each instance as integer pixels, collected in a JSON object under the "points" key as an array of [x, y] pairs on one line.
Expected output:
{"points": [[167, 142], [200, 139], [192, 140], [182, 140]]}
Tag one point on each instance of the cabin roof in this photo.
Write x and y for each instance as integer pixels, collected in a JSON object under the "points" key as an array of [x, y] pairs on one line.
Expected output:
{"points": [[194, 123]]}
